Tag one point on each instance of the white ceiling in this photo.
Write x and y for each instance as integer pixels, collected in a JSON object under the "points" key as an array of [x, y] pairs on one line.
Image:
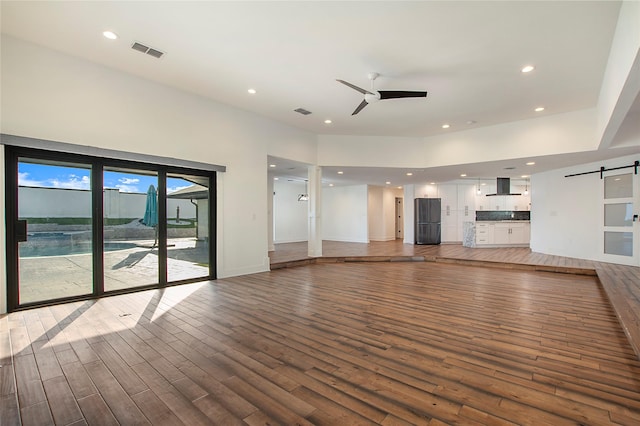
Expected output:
{"points": [[516, 169], [467, 55]]}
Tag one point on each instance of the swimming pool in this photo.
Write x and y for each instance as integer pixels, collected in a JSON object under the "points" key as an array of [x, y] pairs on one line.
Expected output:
{"points": [[63, 244]]}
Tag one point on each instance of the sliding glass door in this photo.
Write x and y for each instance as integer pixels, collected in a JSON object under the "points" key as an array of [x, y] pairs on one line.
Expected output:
{"points": [[130, 228], [187, 226], [54, 226], [81, 226]]}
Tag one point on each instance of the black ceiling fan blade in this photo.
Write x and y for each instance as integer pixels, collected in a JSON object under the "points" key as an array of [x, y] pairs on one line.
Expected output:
{"points": [[364, 92], [360, 107], [396, 94]]}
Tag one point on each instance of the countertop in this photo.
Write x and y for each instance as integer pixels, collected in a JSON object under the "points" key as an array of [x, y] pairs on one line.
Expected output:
{"points": [[503, 221]]}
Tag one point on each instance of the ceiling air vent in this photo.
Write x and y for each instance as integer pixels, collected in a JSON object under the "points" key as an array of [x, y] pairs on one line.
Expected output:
{"points": [[302, 111], [146, 49]]}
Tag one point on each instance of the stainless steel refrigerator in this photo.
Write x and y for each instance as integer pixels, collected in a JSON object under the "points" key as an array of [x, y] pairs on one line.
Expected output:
{"points": [[427, 216]]}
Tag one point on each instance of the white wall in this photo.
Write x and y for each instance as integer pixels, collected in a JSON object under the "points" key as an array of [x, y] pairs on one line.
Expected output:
{"points": [[621, 81], [290, 215], [344, 214], [566, 213], [381, 213], [389, 196], [375, 213], [56, 202], [49, 95], [547, 135]]}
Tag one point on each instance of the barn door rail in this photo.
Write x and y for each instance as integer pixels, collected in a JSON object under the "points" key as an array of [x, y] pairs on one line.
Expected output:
{"points": [[603, 169]]}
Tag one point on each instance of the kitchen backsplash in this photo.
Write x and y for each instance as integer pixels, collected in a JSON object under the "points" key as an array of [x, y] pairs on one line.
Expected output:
{"points": [[496, 215]]}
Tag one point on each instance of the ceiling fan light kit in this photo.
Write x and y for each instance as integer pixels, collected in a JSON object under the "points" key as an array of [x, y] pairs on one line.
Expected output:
{"points": [[374, 96]]}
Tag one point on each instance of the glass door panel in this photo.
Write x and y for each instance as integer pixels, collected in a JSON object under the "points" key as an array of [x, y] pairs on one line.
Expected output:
{"points": [[620, 193], [55, 243], [618, 243], [130, 226], [187, 227]]}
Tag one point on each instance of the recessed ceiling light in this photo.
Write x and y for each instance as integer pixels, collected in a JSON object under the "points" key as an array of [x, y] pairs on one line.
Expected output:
{"points": [[528, 68], [432, 183], [388, 183], [524, 176], [482, 184], [110, 35], [463, 175], [531, 163], [399, 187], [272, 165], [446, 126], [340, 172], [252, 91], [276, 178], [539, 109], [330, 184], [327, 121], [409, 174]]}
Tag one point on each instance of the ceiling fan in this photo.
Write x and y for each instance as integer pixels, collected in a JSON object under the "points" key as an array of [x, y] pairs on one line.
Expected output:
{"points": [[376, 95]]}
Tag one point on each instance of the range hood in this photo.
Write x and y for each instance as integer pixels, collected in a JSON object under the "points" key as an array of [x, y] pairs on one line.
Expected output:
{"points": [[503, 186]]}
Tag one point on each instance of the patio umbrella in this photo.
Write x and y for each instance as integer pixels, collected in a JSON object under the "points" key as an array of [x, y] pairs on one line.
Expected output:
{"points": [[151, 211]]}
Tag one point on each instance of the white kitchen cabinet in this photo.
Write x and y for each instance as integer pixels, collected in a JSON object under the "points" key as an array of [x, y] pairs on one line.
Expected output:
{"points": [[466, 197], [448, 195], [484, 233], [497, 202], [518, 234], [502, 233], [517, 203], [449, 224], [449, 233], [464, 216]]}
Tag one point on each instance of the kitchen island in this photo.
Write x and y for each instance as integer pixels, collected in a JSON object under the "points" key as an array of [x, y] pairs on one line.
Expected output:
{"points": [[498, 229]]}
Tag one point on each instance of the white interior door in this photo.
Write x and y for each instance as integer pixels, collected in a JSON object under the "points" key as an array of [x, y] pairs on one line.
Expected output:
{"points": [[620, 234]]}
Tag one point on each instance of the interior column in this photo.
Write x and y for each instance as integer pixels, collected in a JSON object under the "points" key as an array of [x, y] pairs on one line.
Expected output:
{"points": [[270, 214], [409, 196], [315, 210]]}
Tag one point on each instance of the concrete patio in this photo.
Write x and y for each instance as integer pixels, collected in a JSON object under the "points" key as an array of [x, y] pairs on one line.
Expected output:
{"points": [[51, 277]]}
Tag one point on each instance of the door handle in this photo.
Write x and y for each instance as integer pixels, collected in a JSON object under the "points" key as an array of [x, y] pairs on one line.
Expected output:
{"points": [[21, 231]]}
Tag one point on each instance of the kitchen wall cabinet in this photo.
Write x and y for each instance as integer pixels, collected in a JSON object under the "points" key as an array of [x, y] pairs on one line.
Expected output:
{"points": [[503, 202], [467, 197], [460, 202], [449, 224], [458, 206]]}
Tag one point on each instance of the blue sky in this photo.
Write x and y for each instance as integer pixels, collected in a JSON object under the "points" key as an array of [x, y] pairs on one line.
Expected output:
{"points": [[47, 176]]}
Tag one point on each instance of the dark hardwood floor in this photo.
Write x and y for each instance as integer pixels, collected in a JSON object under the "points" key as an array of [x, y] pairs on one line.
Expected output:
{"points": [[621, 283], [342, 343]]}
